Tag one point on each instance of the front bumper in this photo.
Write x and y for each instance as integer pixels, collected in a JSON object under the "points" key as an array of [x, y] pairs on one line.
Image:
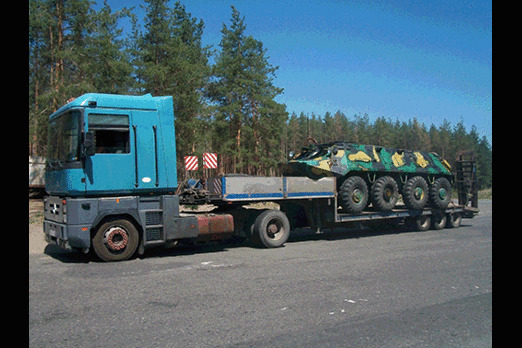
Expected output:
{"points": [[67, 236]]}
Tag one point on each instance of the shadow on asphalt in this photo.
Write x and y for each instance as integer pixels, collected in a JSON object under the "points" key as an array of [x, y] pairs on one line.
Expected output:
{"points": [[298, 235]]}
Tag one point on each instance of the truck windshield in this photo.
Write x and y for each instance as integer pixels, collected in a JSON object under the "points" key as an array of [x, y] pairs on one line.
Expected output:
{"points": [[64, 138]]}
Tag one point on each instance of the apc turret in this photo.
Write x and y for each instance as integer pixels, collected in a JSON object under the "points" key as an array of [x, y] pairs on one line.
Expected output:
{"points": [[375, 174]]}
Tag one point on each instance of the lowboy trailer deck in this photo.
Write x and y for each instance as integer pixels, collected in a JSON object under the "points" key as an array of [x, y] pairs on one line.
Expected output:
{"points": [[314, 203]]}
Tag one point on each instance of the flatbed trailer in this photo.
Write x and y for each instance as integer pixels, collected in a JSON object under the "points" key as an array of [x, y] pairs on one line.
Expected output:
{"points": [[312, 203]]}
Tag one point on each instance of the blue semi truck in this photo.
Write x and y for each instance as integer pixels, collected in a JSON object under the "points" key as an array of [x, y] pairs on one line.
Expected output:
{"points": [[113, 187]]}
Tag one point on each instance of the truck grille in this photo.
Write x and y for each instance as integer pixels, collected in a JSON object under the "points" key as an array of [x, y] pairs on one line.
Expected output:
{"points": [[154, 225], [153, 218], [154, 233]]}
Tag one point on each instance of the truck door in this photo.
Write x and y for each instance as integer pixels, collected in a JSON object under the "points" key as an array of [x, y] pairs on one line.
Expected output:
{"points": [[111, 168], [145, 149]]}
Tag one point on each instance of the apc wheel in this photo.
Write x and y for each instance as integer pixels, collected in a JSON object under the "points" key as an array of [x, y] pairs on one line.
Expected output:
{"points": [[438, 221], [354, 194], [415, 193], [385, 193], [271, 229], [116, 240], [440, 193]]}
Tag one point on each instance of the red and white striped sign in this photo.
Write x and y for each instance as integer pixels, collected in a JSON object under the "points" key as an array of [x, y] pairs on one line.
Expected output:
{"points": [[210, 160], [191, 162]]}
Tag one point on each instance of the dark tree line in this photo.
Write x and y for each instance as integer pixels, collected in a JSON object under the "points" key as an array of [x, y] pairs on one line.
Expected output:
{"points": [[228, 107]]}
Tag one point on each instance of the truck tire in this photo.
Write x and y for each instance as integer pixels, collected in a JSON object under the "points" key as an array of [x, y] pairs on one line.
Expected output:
{"points": [[385, 192], [354, 194], [115, 240], [271, 229], [440, 193], [415, 193]]}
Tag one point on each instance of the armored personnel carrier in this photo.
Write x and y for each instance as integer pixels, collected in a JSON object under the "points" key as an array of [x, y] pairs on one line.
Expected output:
{"points": [[375, 174]]}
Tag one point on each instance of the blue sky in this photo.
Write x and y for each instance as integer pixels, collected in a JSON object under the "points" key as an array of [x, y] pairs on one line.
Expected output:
{"points": [[398, 59]]}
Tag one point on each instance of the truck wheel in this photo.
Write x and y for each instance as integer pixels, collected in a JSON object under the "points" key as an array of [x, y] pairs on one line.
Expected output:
{"points": [[385, 193], [271, 229], [438, 221], [415, 193], [116, 240], [440, 193], [354, 194]]}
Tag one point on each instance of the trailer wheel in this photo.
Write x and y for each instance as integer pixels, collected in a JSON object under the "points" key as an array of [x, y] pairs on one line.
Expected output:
{"points": [[271, 229], [354, 194], [420, 223], [454, 220], [385, 193], [415, 193], [438, 221], [116, 240], [440, 193]]}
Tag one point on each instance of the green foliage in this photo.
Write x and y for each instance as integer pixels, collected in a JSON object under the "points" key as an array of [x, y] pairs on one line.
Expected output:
{"points": [[72, 50], [228, 108], [171, 60], [249, 122]]}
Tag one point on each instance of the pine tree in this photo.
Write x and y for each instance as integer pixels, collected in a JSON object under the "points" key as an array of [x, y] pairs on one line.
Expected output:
{"points": [[484, 156], [58, 34], [155, 49], [109, 66], [249, 122], [190, 71], [172, 61]]}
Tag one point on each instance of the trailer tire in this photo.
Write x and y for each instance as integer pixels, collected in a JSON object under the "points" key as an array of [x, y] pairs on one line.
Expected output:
{"points": [[116, 240], [354, 194], [440, 193], [421, 223], [385, 193], [415, 193], [271, 229], [454, 220], [438, 221]]}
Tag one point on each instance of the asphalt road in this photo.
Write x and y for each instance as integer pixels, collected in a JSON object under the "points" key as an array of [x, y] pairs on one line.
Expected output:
{"points": [[340, 289]]}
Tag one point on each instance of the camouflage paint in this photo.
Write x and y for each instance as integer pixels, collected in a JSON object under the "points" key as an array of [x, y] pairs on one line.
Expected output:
{"points": [[318, 161]]}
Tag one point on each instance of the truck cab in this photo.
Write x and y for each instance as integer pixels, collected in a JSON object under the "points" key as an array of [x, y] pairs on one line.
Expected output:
{"points": [[111, 161], [103, 144]]}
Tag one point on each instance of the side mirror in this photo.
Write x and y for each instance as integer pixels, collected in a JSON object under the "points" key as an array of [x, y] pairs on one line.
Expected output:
{"points": [[291, 155], [334, 150], [88, 144]]}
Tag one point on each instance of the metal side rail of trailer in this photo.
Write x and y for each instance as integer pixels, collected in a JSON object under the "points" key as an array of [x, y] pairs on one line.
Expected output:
{"points": [[243, 189], [260, 188], [401, 211]]}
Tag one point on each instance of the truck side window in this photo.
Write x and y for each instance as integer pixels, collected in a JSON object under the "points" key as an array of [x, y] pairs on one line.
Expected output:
{"points": [[111, 133]]}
